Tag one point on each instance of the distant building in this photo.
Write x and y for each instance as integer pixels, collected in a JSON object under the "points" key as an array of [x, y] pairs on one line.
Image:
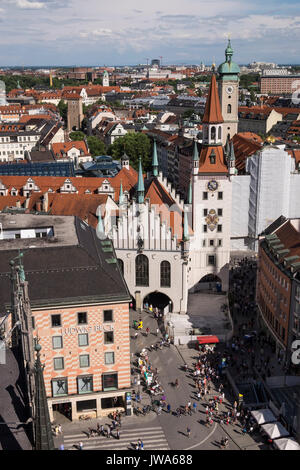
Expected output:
{"points": [[75, 111], [105, 79], [279, 84]]}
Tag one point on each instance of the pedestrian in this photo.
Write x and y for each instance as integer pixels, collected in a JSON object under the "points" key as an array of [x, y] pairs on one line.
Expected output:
{"points": [[147, 331], [168, 408], [198, 396], [188, 431], [157, 331], [118, 434], [108, 432], [176, 383], [80, 445], [135, 335], [194, 407], [59, 429]]}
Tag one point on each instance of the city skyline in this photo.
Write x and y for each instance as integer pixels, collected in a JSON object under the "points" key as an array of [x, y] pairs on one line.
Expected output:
{"points": [[70, 33]]}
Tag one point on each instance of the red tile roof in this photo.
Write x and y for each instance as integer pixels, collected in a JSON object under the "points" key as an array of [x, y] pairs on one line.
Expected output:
{"points": [[212, 113], [244, 147], [60, 148], [204, 162]]}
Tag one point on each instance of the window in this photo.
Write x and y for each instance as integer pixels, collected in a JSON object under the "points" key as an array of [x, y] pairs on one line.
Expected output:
{"points": [[204, 228], [205, 195], [141, 270], [220, 195], [109, 358], [211, 242], [107, 315], [108, 337], [165, 274], [83, 339], [84, 360], [81, 318], [212, 157], [220, 212], [57, 342], [203, 242], [121, 265], [220, 242], [33, 322], [213, 133], [110, 382], [204, 212], [211, 260], [59, 387], [219, 228], [58, 363], [229, 108], [85, 384], [55, 320], [220, 133]]}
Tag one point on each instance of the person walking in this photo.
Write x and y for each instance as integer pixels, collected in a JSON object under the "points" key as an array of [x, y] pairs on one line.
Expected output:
{"points": [[80, 446], [168, 408], [108, 432], [194, 407], [118, 434], [157, 331], [188, 432]]}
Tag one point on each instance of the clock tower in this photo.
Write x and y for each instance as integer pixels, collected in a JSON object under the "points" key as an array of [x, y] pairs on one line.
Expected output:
{"points": [[229, 93], [211, 200]]}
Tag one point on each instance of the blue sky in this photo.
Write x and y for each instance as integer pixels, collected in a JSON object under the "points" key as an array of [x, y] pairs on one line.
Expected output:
{"points": [[107, 32]]}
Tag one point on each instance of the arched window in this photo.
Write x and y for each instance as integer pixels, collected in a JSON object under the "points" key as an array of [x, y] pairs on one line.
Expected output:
{"points": [[165, 274], [229, 108], [220, 133], [213, 133], [141, 270], [121, 265]]}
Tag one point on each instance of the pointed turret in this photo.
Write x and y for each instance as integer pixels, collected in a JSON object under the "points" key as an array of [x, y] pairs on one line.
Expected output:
{"points": [[190, 194], [121, 195], [125, 161], [185, 225], [195, 159], [228, 51], [154, 160], [231, 160], [140, 187], [212, 113], [100, 228], [43, 438]]}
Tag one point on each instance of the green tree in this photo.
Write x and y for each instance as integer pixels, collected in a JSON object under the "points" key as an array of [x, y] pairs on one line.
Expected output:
{"points": [[63, 110], [77, 135], [135, 144], [252, 96], [96, 146]]}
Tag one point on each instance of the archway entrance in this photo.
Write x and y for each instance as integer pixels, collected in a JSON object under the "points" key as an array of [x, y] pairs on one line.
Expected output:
{"points": [[210, 282], [159, 300]]}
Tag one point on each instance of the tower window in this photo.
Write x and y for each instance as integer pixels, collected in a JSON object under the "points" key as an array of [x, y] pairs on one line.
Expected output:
{"points": [[213, 133], [229, 108], [211, 260], [204, 228], [204, 212], [212, 157], [205, 195], [220, 195], [220, 212]]}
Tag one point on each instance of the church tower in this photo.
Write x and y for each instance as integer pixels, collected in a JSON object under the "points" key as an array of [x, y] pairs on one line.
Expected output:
{"points": [[212, 194], [229, 93], [105, 78]]}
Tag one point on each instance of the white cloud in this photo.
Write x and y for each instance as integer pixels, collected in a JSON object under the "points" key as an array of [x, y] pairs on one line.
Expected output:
{"points": [[28, 5]]}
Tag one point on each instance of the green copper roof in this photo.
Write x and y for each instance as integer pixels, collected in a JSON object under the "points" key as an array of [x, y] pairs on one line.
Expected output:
{"points": [[231, 153], [185, 226], [229, 69], [195, 152], [154, 160], [121, 195], [140, 187], [190, 193]]}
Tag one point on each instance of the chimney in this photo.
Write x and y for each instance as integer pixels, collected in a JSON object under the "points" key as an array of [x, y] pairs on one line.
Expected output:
{"points": [[45, 202], [27, 202]]}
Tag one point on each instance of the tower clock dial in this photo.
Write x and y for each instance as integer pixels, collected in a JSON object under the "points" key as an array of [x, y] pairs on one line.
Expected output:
{"points": [[229, 89], [212, 185]]}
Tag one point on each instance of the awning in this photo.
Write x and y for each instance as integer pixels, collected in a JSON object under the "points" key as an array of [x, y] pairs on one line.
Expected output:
{"points": [[286, 444], [275, 430], [210, 339], [263, 416]]}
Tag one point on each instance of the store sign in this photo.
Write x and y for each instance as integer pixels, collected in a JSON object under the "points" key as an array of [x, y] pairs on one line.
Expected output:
{"points": [[75, 330]]}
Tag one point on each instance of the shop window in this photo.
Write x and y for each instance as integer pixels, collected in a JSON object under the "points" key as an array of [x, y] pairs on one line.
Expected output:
{"points": [[110, 382], [59, 387], [85, 384], [86, 405]]}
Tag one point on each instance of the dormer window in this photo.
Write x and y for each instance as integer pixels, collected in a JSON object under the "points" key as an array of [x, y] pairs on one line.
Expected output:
{"points": [[212, 157]]}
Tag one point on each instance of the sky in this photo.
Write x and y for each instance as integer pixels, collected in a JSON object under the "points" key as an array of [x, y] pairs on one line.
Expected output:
{"points": [[120, 32]]}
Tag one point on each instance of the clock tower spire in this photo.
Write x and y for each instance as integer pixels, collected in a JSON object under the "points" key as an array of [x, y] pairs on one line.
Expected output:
{"points": [[229, 93]]}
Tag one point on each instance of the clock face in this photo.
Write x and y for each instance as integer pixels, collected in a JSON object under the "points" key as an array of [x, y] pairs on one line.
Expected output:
{"points": [[212, 185], [229, 90]]}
